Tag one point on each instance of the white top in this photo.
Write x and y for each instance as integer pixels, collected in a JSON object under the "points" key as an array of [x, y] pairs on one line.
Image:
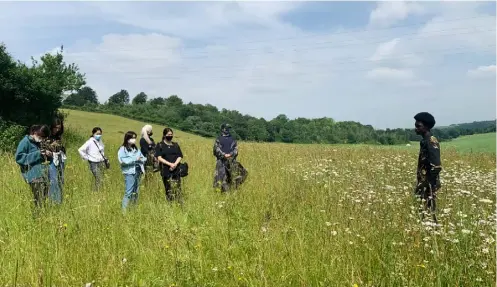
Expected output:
{"points": [[90, 151]]}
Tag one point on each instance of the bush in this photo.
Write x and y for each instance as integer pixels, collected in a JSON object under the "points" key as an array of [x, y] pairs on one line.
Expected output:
{"points": [[10, 135]]}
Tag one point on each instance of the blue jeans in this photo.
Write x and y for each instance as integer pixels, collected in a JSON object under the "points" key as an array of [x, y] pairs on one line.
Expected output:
{"points": [[56, 176], [131, 185]]}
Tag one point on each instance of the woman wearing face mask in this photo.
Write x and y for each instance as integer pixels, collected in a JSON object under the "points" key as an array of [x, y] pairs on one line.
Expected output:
{"points": [[131, 160], [169, 155], [56, 167], [33, 160], [147, 148], [93, 152]]}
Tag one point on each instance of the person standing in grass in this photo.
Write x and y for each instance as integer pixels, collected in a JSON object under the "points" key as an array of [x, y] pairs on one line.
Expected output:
{"points": [[429, 162], [147, 147], [228, 170], [93, 152], [57, 164], [131, 160], [33, 161], [169, 155]]}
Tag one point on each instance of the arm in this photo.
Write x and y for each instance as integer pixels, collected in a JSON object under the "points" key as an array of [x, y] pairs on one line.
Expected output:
{"points": [[124, 159], [141, 158], [164, 161], [218, 153], [434, 157], [144, 145], [178, 160], [234, 149], [158, 152], [83, 150], [25, 158]]}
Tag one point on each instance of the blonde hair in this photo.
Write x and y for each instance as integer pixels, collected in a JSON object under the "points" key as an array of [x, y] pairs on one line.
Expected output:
{"points": [[145, 131]]}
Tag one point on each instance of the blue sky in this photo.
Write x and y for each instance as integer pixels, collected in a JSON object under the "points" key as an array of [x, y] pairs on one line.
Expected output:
{"points": [[378, 63]]}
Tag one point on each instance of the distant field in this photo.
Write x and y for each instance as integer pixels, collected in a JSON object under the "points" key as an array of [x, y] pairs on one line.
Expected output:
{"points": [[480, 143], [308, 215], [474, 143]]}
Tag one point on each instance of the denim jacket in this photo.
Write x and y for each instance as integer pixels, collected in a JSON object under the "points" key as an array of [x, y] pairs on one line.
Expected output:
{"points": [[129, 161], [28, 157]]}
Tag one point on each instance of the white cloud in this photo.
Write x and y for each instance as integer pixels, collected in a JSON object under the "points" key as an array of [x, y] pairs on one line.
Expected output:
{"points": [[390, 12], [482, 71], [243, 56], [385, 49]]}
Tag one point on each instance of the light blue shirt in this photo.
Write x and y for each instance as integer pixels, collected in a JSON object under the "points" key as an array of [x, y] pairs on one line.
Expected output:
{"points": [[130, 159]]}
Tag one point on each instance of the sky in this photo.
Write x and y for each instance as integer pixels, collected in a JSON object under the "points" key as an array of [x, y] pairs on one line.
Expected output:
{"points": [[377, 63]]}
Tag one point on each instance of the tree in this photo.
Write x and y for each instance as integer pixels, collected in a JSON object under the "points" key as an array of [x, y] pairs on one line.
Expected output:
{"points": [[140, 99], [33, 94], [84, 96], [157, 101], [174, 101], [119, 98]]}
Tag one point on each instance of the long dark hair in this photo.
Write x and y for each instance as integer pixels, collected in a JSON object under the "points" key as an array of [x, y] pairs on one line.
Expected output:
{"points": [[56, 122], [165, 131], [94, 130], [129, 135]]}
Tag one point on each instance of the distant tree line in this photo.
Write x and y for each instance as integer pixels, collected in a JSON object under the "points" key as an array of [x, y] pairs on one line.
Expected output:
{"points": [[204, 120]]}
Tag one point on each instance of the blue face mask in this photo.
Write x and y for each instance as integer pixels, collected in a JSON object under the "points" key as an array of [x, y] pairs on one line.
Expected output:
{"points": [[97, 137]]}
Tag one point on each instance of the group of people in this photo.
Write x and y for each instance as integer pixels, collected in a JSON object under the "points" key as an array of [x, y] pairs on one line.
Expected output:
{"points": [[42, 156]]}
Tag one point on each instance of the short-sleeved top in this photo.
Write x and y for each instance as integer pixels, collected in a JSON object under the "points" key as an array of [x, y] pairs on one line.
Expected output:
{"points": [[168, 152], [145, 147]]}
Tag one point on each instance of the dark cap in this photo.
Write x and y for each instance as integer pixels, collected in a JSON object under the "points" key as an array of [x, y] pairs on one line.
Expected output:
{"points": [[225, 126]]}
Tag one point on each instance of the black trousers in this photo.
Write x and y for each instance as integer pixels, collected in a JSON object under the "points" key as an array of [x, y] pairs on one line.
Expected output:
{"points": [[172, 185]]}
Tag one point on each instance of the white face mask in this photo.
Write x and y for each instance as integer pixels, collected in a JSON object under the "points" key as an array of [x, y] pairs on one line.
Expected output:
{"points": [[132, 141]]}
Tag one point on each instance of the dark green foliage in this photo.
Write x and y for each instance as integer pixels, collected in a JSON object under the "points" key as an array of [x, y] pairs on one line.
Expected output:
{"points": [[140, 99], [119, 98], [205, 120], [10, 134], [85, 96], [32, 94]]}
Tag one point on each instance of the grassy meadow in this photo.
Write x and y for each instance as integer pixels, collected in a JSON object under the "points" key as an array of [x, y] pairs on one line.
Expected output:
{"points": [[308, 215]]}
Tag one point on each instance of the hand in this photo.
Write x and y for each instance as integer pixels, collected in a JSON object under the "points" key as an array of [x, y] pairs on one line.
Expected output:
{"points": [[46, 153], [227, 155]]}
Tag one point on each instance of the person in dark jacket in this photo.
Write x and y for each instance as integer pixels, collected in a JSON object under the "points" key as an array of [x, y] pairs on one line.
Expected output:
{"points": [[169, 155], [33, 161], [228, 171], [147, 148], [429, 162]]}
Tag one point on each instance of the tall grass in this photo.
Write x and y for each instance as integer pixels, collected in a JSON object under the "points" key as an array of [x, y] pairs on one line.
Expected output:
{"points": [[306, 216]]}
